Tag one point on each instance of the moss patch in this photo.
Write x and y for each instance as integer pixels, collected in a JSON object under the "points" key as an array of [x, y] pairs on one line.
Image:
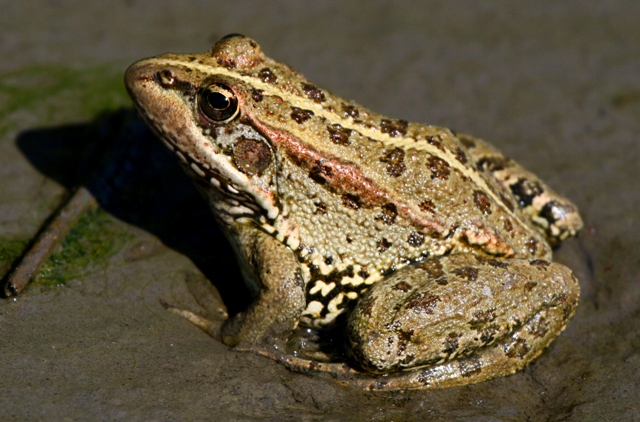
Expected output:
{"points": [[94, 239]]}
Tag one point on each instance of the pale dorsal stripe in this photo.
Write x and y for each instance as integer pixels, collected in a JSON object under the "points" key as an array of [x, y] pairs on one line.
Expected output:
{"points": [[318, 110]]}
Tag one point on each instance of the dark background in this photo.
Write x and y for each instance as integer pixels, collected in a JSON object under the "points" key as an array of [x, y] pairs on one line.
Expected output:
{"points": [[555, 85]]}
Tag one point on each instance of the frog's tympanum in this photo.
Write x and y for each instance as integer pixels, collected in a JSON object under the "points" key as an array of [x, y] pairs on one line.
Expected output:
{"points": [[429, 251]]}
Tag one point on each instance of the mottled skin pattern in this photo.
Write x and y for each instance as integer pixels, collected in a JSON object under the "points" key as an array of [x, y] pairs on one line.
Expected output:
{"points": [[440, 242]]}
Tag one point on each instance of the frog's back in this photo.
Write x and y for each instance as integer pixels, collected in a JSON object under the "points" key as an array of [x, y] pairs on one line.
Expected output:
{"points": [[379, 192]]}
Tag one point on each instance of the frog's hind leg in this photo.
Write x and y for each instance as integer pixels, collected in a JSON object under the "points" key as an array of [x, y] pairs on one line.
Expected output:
{"points": [[459, 319], [501, 358], [554, 215]]}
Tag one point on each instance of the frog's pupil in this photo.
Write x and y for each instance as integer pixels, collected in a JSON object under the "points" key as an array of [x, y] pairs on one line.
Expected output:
{"points": [[217, 100]]}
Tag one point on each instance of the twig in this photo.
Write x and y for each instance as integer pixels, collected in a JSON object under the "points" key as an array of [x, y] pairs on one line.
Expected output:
{"points": [[47, 240]]}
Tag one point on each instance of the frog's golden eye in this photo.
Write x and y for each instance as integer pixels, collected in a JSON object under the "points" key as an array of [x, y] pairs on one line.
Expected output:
{"points": [[218, 103]]}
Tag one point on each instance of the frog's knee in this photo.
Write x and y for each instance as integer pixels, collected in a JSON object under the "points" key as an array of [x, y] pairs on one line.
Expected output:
{"points": [[375, 352], [383, 340]]}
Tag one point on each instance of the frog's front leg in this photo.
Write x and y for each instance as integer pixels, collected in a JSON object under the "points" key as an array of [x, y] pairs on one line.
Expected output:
{"points": [[460, 319], [273, 271]]}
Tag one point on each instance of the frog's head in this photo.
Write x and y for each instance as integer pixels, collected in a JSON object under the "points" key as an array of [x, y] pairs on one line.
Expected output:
{"points": [[204, 107]]}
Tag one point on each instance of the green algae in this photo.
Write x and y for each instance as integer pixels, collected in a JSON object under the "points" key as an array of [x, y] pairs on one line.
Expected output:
{"points": [[95, 238]]}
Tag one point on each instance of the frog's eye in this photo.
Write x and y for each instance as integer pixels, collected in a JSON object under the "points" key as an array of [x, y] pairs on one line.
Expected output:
{"points": [[218, 103]]}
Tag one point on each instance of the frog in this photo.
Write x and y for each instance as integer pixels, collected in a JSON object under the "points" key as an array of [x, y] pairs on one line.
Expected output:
{"points": [[428, 251]]}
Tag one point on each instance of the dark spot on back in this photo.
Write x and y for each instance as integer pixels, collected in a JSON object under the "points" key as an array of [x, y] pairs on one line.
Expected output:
{"points": [[482, 201], [497, 264], [321, 208], [416, 239], [439, 168], [404, 336], [538, 328], [394, 158], [267, 75], [300, 115], [394, 127], [483, 317], [256, 94], [383, 244], [366, 305], [338, 134], [350, 111], [428, 206], [507, 202], [313, 92], [328, 260], [435, 141], [388, 214], [351, 201], [529, 285]]}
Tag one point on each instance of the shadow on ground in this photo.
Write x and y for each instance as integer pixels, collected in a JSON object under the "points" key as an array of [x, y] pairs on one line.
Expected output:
{"points": [[135, 179]]}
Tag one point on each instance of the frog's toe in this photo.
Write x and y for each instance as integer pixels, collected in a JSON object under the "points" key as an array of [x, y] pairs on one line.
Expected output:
{"points": [[210, 327]]}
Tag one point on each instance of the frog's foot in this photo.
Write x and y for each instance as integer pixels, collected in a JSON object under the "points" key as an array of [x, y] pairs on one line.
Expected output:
{"points": [[459, 319], [334, 370], [211, 327], [208, 297], [554, 215]]}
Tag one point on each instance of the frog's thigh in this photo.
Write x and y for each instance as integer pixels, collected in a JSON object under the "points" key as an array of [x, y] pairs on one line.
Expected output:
{"points": [[555, 215], [276, 310], [458, 307]]}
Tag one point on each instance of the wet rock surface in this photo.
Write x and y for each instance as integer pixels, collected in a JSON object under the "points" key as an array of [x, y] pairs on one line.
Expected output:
{"points": [[555, 86]]}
